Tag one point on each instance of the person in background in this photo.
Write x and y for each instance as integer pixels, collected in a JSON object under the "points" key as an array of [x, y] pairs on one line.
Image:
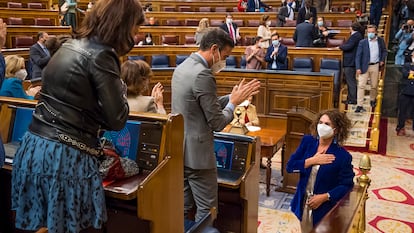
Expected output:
{"points": [[305, 33], [137, 75], [256, 6], [3, 33], [15, 74], [349, 49], [152, 22], [264, 31], [406, 97], [39, 55], [375, 12], [403, 36], [147, 40], [203, 24], [248, 114], [254, 55], [305, 10], [325, 168], [194, 95], [82, 96], [231, 28], [242, 5], [53, 43], [370, 56], [286, 13], [70, 16], [322, 33], [276, 55]]}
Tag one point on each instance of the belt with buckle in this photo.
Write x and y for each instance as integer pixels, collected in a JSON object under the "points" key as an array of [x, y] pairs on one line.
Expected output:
{"points": [[373, 63]]}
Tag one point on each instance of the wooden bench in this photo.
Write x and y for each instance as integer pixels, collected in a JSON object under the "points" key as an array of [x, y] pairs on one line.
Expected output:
{"points": [[136, 202], [15, 31], [28, 15], [45, 3]]}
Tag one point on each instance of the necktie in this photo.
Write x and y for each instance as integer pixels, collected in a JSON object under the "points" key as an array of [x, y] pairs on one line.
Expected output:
{"points": [[231, 31], [46, 51], [246, 118]]}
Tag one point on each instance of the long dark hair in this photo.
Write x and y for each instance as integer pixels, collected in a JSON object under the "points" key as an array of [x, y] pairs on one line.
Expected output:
{"points": [[112, 22]]}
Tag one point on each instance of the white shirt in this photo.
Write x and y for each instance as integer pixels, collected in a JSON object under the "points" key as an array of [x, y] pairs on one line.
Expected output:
{"points": [[291, 13], [373, 51]]}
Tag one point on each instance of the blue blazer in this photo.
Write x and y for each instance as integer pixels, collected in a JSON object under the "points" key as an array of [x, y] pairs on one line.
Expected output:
{"points": [[251, 5], [335, 178], [304, 34], [281, 57], [350, 47], [13, 87], [363, 55]]}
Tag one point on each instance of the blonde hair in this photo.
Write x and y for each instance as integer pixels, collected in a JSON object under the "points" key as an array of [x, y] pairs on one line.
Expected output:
{"points": [[264, 19], [13, 64], [202, 24]]}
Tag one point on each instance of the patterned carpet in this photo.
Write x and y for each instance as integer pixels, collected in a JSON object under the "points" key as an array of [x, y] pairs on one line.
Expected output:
{"points": [[390, 207]]}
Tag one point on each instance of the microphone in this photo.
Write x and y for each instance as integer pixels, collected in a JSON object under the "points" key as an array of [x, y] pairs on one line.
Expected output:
{"points": [[306, 98]]}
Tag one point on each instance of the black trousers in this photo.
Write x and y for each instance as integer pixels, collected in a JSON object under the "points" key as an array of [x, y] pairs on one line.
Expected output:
{"points": [[405, 110], [349, 73]]}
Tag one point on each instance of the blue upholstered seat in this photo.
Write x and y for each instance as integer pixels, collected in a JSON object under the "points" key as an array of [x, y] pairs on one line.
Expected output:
{"points": [[179, 59], [136, 58], [329, 65], [303, 64], [160, 61], [231, 62], [243, 62]]}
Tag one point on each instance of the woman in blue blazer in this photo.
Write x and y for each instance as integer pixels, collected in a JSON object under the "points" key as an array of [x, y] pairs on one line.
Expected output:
{"points": [[326, 172]]}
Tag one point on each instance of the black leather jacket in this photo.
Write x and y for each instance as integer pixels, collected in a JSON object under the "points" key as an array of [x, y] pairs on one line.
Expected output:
{"points": [[81, 94]]}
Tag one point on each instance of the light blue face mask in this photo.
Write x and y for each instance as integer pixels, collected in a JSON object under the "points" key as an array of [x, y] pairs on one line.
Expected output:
{"points": [[371, 35], [320, 23], [275, 42]]}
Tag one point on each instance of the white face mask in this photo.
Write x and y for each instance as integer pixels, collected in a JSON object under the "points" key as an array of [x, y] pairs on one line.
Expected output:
{"points": [[21, 74], [325, 131], [148, 40], [268, 23], [244, 103], [229, 20], [218, 66]]}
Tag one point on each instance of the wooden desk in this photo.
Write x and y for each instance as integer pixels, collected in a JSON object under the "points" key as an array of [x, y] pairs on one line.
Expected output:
{"points": [[271, 141]]}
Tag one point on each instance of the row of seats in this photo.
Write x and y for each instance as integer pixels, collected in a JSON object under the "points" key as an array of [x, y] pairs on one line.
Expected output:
{"points": [[37, 21], [32, 5], [203, 9]]}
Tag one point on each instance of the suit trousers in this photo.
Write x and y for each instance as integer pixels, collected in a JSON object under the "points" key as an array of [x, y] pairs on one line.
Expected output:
{"points": [[405, 110], [200, 187], [372, 73], [350, 78]]}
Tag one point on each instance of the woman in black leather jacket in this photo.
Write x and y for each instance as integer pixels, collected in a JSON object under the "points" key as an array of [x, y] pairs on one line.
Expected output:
{"points": [[56, 182]]}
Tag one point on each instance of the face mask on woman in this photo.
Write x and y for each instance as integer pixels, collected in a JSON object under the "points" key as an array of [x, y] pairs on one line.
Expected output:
{"points": [[320, 23], [148, 40], [325, 131], [21, 74], [268, 23]]}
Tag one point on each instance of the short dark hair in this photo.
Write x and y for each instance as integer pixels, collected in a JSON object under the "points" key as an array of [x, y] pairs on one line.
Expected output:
{"points": [[215, 36], [356, 27], [134, 74], [257, 38], [40, 34], [308, 16], [275, 34], [111, 22]]}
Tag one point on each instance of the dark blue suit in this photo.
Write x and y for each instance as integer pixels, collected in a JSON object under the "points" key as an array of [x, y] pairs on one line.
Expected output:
{"points": [[304, 35], [335, 178], [350, 47], [39, 60], [2, 68], [281, 61], [363, 55], [251, 5], [302, 13]]}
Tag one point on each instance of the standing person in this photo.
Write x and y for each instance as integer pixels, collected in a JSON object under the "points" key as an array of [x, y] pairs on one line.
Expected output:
{"points": [[403, 36], [325, 168], [286, 13], [264, 31], [256, 6], [276, 55], [39, 55], [82, 95], [305, 33], [70, 15], [349, 49], [306, 9], [375, 11], [370, 56], [242, 5], [3, 33], [194, 95], [231, 28], [203, 24], [406, 97], [137, 75], [254, 55]]}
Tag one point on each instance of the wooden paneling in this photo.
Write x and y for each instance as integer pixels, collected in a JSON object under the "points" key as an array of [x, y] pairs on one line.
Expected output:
{"points": [[28, 15], [13, 31], [45, 3]]}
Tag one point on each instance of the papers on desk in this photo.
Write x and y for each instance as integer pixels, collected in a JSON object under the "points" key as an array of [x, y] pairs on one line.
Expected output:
{"points": [[253, 128]]}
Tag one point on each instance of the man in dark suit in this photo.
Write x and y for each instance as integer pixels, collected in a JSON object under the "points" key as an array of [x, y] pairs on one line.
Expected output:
{"points": [[286, 12], [39, 55], [256, 5], [276, 55], [305, 32], [308, 8], [194, 95], [370, 56], [231, 28], [349, 48]]}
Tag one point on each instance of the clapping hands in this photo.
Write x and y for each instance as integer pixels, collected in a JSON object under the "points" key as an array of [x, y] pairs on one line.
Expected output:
{"points": [[243, 91]]}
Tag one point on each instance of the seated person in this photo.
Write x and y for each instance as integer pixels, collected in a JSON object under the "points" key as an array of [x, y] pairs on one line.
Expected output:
{"points": [[322, 33], [248, 114], [15, 74], [255, 55], [151, 21], [137, 75], [276, 55], [147, 40], [203, 24]]}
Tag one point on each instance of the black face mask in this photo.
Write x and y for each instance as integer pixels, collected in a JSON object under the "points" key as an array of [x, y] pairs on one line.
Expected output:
{"points": [[131, 44]]}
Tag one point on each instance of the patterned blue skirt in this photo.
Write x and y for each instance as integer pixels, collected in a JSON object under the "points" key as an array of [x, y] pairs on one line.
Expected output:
{"points": [[56, 186]]}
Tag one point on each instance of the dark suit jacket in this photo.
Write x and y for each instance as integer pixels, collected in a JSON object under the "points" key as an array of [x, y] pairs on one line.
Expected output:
{"points": [[2, 68], [281, 17], [350, 47], [302, 13], [226, 29], [335, 178], [281, 56], [194, 95], [304, 35], [363, 55], [39, 60], [251, 5], [408, 84]]}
